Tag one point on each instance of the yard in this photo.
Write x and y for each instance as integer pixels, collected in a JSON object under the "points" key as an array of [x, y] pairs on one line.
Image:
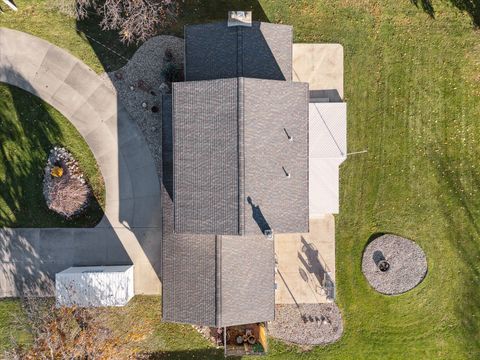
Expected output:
{"points": [[412, 83], [29, 129]]}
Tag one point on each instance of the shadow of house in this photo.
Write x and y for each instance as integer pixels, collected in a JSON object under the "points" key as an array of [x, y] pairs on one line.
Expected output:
{"points": [[206, 11], [200, 354]]}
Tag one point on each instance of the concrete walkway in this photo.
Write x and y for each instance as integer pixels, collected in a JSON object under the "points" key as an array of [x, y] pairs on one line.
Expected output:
{"points": [[130, 232]]}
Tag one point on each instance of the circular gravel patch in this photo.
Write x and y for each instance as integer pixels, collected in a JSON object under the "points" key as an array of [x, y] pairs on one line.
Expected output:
{"points": [[307, 324], [406, 264]]}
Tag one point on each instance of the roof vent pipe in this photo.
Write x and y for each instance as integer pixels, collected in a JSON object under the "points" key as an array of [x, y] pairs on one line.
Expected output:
{"points": [[290, 138], [287, 174]]}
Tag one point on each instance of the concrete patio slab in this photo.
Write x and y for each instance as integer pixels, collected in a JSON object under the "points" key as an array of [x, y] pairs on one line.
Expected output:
{"points": [[303, 262], [29, 258], [321, 65]]}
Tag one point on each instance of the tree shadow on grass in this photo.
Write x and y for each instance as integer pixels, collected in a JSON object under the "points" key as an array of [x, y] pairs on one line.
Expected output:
{"points": [[462, 219], [27, 134], [426, 6], [472, 7]]}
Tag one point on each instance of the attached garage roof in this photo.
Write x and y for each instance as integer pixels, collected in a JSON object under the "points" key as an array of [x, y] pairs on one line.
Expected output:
{"points": [[327, 149]]}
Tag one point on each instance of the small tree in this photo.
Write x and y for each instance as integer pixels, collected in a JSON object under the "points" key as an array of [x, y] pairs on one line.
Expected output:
{"points": [[136, 20], [71, 333]]}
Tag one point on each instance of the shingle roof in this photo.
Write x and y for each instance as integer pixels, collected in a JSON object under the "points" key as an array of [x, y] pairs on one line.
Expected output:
{"points": [[215, 51], [206, 156], [247, 293], [232, 155], [188, 261], [205, 278]]}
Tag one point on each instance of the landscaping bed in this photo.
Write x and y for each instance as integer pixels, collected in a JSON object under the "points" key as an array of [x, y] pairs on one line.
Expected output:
{"points": [[29, 130], [307, 324], [393, 265]]}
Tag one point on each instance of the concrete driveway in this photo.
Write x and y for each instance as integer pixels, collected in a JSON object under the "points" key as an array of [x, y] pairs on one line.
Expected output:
{"points": [[130, 232], [305, 262]]}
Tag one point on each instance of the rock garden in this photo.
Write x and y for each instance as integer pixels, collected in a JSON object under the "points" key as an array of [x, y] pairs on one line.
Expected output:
{"points": [[65, 188], [307, 324], [142, 83], [393, 264]]}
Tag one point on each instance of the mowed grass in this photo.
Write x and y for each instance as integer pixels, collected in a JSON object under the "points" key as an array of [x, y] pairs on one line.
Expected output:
{"points": [[29, 129], [10, 315], [412, 83]]}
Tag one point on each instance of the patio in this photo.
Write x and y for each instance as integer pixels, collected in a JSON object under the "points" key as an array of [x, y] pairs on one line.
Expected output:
{"points": [[300, 278]]}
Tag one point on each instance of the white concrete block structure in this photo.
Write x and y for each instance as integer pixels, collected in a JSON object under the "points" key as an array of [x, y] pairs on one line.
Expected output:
{"points": [[94, 286]]}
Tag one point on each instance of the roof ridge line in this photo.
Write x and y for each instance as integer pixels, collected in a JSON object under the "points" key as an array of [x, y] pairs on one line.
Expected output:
{"points": [[241, 153]]}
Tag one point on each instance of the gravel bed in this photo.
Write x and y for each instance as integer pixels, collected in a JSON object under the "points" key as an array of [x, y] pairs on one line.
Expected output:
{"points": [[307, 324], [140, 86], [408, 264]]}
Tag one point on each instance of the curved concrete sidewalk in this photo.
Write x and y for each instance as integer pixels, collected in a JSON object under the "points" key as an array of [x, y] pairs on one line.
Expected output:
{"points": [[130, 231]]}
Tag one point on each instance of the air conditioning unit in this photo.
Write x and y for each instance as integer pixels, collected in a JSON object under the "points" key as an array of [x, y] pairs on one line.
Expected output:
{"points": [[239, 18]]}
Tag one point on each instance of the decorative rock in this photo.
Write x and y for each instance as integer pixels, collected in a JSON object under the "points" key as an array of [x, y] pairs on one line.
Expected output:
{"points": [[407, 264], [68, 194], [119, 75], [307, 324], [164, 88], [146, 64]]}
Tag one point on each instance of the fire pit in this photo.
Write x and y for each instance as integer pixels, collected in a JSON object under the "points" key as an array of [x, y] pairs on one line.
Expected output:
{"points": [[393, 265], [383, 265]]}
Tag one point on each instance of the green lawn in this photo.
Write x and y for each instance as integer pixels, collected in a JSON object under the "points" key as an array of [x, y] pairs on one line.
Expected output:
{"points": [[29, 128], [412, 83], [10, 315]]}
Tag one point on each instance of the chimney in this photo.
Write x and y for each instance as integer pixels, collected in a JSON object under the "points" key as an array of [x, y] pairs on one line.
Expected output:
{"points": [[239, 18]]}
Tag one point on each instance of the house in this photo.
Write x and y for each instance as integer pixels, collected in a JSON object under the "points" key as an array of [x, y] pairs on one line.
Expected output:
{"points": [[236, 172]]}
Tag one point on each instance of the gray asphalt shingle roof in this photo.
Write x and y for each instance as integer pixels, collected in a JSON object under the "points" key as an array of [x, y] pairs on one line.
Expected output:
{"points": [[232, 155], [247, 291], [216, 51], [205, 278], [226, 154]]}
